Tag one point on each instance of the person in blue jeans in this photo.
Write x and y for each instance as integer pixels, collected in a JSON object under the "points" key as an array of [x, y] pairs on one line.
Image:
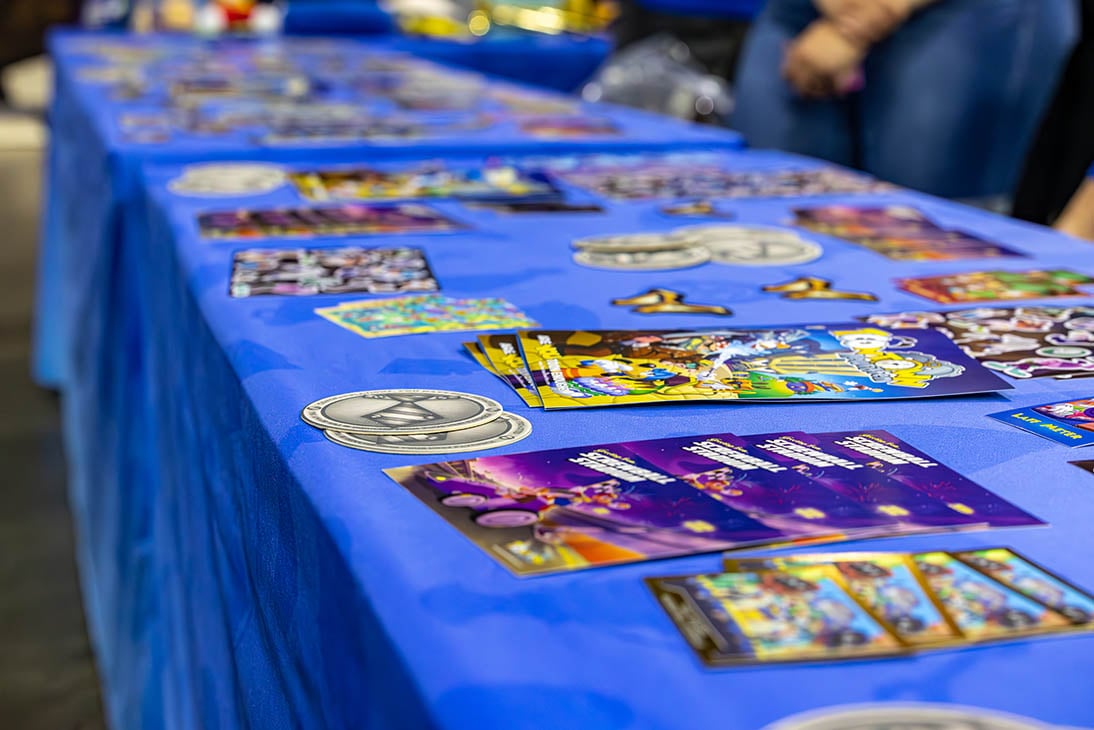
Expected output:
{"points": [[938, 95]]}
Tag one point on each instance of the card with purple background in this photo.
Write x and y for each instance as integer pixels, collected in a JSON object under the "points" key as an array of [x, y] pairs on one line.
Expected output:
{"points": [[722, 466], [900, 461], [568, 509], [895, 507]]}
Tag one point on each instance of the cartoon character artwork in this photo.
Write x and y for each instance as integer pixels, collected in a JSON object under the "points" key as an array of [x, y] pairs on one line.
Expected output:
{"points": [[1033, 581], [981, 607], [574, 508], [980, 286], [1079, 412], [797, 614], [829, 362], [1019, 342]]}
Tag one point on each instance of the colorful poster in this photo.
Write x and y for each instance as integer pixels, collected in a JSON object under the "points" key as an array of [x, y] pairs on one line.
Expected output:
{"points": [[1032, 581], [350, 219], [1019, 342], [900, 233], [436, 181], [575, 369]]}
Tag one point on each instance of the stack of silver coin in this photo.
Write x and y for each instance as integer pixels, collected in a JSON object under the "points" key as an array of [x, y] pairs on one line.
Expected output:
{"points": [[415, 421], [682, 248]]}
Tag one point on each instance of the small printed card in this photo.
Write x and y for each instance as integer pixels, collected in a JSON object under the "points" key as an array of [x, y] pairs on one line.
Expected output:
{"points": [[1070, 422]]}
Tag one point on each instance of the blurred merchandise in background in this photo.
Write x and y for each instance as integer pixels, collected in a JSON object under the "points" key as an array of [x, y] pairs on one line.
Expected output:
{"points": [[660, 74]]}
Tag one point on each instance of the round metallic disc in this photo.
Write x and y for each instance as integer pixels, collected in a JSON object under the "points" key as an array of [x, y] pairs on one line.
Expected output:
{"points": [[506, 429], [701, 235], [631, 242], [234, 178], [401, 412], [912, 716], [683, 258], [763, 252]]}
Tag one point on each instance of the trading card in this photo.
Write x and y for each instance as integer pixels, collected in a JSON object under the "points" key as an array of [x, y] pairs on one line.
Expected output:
{"points": [[503, 351], [348, 219], [534, 206], [888, 584], [992, 286], [801, 614], [568, 509], [1033, 581], [303, 272], [1070, 422], [725, 468], [895, 507], [421, 314], [1019, 342], [984, 609], [474, 349], [902, 462], [901, 233], [433, 181], [575, 369]]}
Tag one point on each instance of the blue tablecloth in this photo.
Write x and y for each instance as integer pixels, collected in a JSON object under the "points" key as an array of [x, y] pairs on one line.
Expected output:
{"points": [[265, 577], [82, 221]]}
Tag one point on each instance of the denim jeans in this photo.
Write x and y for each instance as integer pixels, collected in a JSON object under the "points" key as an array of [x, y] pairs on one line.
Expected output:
{"points": [[950, 102]]}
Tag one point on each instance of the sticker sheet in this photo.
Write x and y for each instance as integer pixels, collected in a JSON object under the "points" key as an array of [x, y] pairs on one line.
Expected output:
{"points": [[350, 219], [302, 271], [678, 180], [575, 369], [420, 314], [900, 233], [1019, 342]]}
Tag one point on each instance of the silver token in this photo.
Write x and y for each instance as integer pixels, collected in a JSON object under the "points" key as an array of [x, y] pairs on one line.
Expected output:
{"points": [[643, 260], [236, 178], [763, 252], [701, 235], [506, 429], [910, 716], [401, 412], [631, 242]]}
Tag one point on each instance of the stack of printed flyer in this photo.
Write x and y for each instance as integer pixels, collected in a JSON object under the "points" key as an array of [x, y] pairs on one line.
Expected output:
{"points": [[581, 507], [574, 369]]}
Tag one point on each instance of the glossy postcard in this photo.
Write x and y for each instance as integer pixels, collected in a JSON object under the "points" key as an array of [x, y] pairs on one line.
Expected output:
{"points": [[576, 369]]}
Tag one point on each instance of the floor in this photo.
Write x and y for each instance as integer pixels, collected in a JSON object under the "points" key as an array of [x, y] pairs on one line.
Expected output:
{"points": [[47, 675]]}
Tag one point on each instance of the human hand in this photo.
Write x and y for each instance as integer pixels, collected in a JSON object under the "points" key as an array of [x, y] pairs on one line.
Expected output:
{"points": [[867, 21], [822, 62]]}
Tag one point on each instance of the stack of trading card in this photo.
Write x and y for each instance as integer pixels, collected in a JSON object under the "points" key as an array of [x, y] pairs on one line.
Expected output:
{"points": [[578, 369], [857, 605], [582, 507]]}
